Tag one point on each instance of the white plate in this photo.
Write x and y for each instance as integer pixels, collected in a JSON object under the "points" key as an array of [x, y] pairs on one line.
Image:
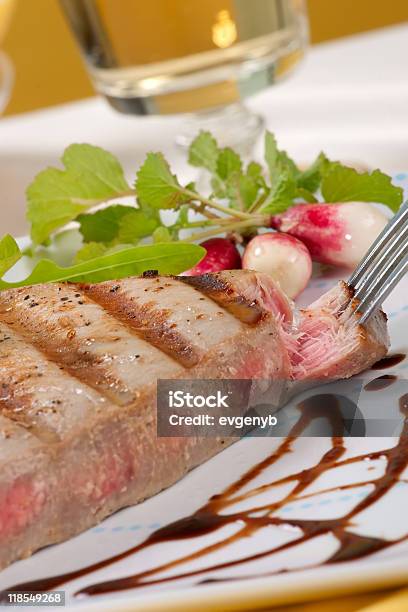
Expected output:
{"points": [[255, 583]]}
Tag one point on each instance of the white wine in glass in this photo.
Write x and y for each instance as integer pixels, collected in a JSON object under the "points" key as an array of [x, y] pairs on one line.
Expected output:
{"points": [[189, 56]]}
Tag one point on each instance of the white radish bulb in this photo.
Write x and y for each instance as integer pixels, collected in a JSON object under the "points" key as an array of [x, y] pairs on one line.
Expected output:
{"points": [[336, 234], [363, 222], [283, 257]]}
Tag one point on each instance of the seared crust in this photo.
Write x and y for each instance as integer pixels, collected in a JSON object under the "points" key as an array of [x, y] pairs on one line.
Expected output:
{"points": [[167, 314], [248, 296], [78, 371], [218, 288]]}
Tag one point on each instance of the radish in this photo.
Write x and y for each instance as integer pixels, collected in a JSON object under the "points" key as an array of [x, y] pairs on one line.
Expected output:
{"points": [[337, 234], [283, 257], [222, 254]]}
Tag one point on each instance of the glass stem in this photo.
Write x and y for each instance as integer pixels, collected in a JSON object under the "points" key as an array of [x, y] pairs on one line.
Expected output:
{"points": [[232, 126]]}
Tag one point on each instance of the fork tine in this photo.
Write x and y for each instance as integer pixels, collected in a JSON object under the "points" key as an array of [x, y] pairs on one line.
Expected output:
{"points": [[383, 272], [392, 281], [396, 222], [394, 250]]}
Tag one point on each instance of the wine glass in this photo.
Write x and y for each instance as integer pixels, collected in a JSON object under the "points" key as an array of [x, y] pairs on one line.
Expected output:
{"points": [[188, 56]]}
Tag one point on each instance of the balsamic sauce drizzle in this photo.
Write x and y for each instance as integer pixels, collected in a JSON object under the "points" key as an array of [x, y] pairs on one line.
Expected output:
{"points": [[389, 361], [209, 518], [381, 382]]}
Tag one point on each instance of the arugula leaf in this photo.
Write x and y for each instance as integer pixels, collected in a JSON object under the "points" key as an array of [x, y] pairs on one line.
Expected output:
{"points": [[156, 185], [90, 250], [286, 164], [256, 173], [306, 195], [182, 219], [135, 225], [103, 225], [168, 258], [203, 152], [9, 253], [278, 162], [271, 154], [228, 180], [56, 197], [116, 223], [162, 234], [248, 189], [284, 175], [281, 195], [311, 178], [228, 164], [102, 170], [343, 184], [254, 170]]}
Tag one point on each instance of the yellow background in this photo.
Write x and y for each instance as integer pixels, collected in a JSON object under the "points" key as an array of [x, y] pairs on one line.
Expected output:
{"points": [[49, 69]]}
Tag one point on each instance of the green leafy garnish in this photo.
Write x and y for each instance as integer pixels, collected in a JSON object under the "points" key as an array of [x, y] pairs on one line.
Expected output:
{"points": [[311, 178], [156, 185], [162, 234], [169, 258], [278, 162], [118, 224], [9, 253], [228, 164], [56, 197], [167, 213], [281, 194], [203, 152], [90, 250], [343, 184]]}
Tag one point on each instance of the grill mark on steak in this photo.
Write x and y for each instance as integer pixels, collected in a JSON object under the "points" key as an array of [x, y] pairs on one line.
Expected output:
{"points": [[76, 333], [17, 407], [170, 315], [247, 295], [223, 293], [13, 407], [16, 410], [37, 395], [152, 325]]}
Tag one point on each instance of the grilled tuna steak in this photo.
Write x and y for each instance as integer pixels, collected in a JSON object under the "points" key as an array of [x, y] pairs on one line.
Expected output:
{"points": [[78, 372], [330, 342]]}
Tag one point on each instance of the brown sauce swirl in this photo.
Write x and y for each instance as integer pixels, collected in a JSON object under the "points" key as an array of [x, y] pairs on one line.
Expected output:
{"points": [[389, 361], [381, 382], [211, 516]]}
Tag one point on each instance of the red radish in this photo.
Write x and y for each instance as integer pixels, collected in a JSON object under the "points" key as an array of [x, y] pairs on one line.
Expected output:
{"points": [[283, 257], [337, 234], [221, 254]]}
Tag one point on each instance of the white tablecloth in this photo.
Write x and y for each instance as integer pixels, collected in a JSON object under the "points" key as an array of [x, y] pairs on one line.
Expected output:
{"points": [[350, 98]]}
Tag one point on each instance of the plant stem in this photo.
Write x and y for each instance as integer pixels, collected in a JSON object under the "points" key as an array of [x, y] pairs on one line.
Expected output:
{"points": [[200, 209], [225, 221], [257, 203], [202, 223], [234, 226], [211, 204]]}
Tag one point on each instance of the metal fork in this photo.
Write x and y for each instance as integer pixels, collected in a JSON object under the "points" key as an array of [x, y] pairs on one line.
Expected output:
{"points": [[383, 266]]}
